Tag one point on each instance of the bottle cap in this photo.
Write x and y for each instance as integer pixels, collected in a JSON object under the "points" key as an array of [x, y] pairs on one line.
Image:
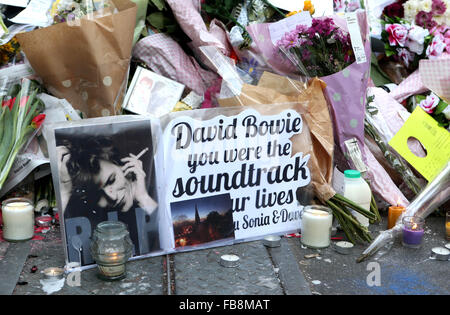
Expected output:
{"points": [[352, 174]]}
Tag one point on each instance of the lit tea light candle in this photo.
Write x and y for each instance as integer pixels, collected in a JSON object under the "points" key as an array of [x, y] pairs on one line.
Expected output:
{"points": [[440, 253], [229, 260], [272, 241], [394, 213], [316, 226], [53, 273], [18, 219], [412, 231]]}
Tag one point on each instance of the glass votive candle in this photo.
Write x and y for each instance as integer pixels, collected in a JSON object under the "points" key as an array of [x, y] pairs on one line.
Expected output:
{"points": [[18, 219], [316, 226], [111, 248], [412, 231]]}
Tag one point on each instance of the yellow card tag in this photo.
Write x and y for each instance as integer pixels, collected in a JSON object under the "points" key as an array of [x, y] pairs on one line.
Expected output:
{"points": [[435, 140]]}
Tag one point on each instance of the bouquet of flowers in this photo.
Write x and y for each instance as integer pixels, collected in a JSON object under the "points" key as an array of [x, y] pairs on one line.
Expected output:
{"points": [[376, 127], [10, 52], [325, 50], [91, 76], [427, 13], [20, 117], [346, 5], [322, 49], [413, 40], [69, 10]]}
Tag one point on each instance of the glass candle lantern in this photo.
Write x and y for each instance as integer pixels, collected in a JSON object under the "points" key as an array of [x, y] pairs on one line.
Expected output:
{"points": [[412, 231], [18, 219], [111, 248], [316, 226]]}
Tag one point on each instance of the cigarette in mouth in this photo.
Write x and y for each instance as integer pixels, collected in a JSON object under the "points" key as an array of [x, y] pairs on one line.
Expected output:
{"points": [[142, 153]]}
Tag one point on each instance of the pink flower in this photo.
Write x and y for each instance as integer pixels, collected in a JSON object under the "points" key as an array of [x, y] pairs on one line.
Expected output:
{"points": [[405, 55], [436, 47], [447, 44], [430, 103], [289, 40], [23, 101], [397, 34]]}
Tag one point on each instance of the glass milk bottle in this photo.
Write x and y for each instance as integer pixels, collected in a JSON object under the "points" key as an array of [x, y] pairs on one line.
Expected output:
{"points": [[357, 190]]}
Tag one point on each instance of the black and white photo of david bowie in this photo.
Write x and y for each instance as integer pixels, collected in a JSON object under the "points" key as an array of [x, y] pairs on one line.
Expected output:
{"points": [[106, 172]]}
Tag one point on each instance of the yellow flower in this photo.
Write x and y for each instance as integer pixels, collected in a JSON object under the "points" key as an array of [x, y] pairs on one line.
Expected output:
{"points": [[308, 6], [292, 13]]}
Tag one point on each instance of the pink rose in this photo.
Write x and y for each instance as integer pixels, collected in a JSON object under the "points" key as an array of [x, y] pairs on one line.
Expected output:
{"points": [[430, 103], [436, 47], [397, 34]]}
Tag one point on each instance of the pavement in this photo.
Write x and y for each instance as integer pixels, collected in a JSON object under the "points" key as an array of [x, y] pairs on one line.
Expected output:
{"points": [[290, 269]]}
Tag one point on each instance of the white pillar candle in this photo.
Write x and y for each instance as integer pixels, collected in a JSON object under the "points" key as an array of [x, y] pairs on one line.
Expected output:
{"points": [[18, 219], [316, 226]]}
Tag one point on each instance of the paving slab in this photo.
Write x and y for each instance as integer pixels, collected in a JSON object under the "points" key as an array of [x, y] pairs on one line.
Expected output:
{"points": [[401, 270], [143, 276], [11, 266], [292, 279], [199, 272]]}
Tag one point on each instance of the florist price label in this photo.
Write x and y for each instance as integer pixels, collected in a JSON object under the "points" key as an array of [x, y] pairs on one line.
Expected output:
{"points": [[239, 167], [355, 35]]}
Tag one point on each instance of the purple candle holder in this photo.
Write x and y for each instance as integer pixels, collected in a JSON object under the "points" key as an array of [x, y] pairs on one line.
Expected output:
{"points": [[412, 231]]}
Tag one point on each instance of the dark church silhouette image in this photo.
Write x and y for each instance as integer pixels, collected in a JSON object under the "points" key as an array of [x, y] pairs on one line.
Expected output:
{"points": [[214, 227]]}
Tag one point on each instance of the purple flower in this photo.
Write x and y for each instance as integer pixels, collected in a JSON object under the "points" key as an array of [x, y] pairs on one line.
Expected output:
{"points": [[289, 40], [306, 54], [438, 7], [425, 19]]}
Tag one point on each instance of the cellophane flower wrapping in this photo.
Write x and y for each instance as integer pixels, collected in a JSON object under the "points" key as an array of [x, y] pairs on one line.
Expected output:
{"points": [[325, 50], [20, 119], [432, 196], [85, 60], [384, 118]]}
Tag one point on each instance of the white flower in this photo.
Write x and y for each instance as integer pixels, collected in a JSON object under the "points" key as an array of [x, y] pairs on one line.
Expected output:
{"points": [[416, 38], [417, 34], [446, 112], [415, 47], [425, 5]]}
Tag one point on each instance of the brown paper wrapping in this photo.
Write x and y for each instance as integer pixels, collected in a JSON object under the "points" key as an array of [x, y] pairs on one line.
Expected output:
{"points": [[87, 64], [309, 101]]}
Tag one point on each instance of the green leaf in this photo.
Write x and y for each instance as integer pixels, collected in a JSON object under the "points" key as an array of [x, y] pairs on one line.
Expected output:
{"points": [[420, 98], [440, 107], [159, 4], [156, 19]]}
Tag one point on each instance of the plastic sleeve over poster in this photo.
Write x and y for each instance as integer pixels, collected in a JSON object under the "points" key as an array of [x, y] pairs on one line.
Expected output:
{"points": [[187, 181]]}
